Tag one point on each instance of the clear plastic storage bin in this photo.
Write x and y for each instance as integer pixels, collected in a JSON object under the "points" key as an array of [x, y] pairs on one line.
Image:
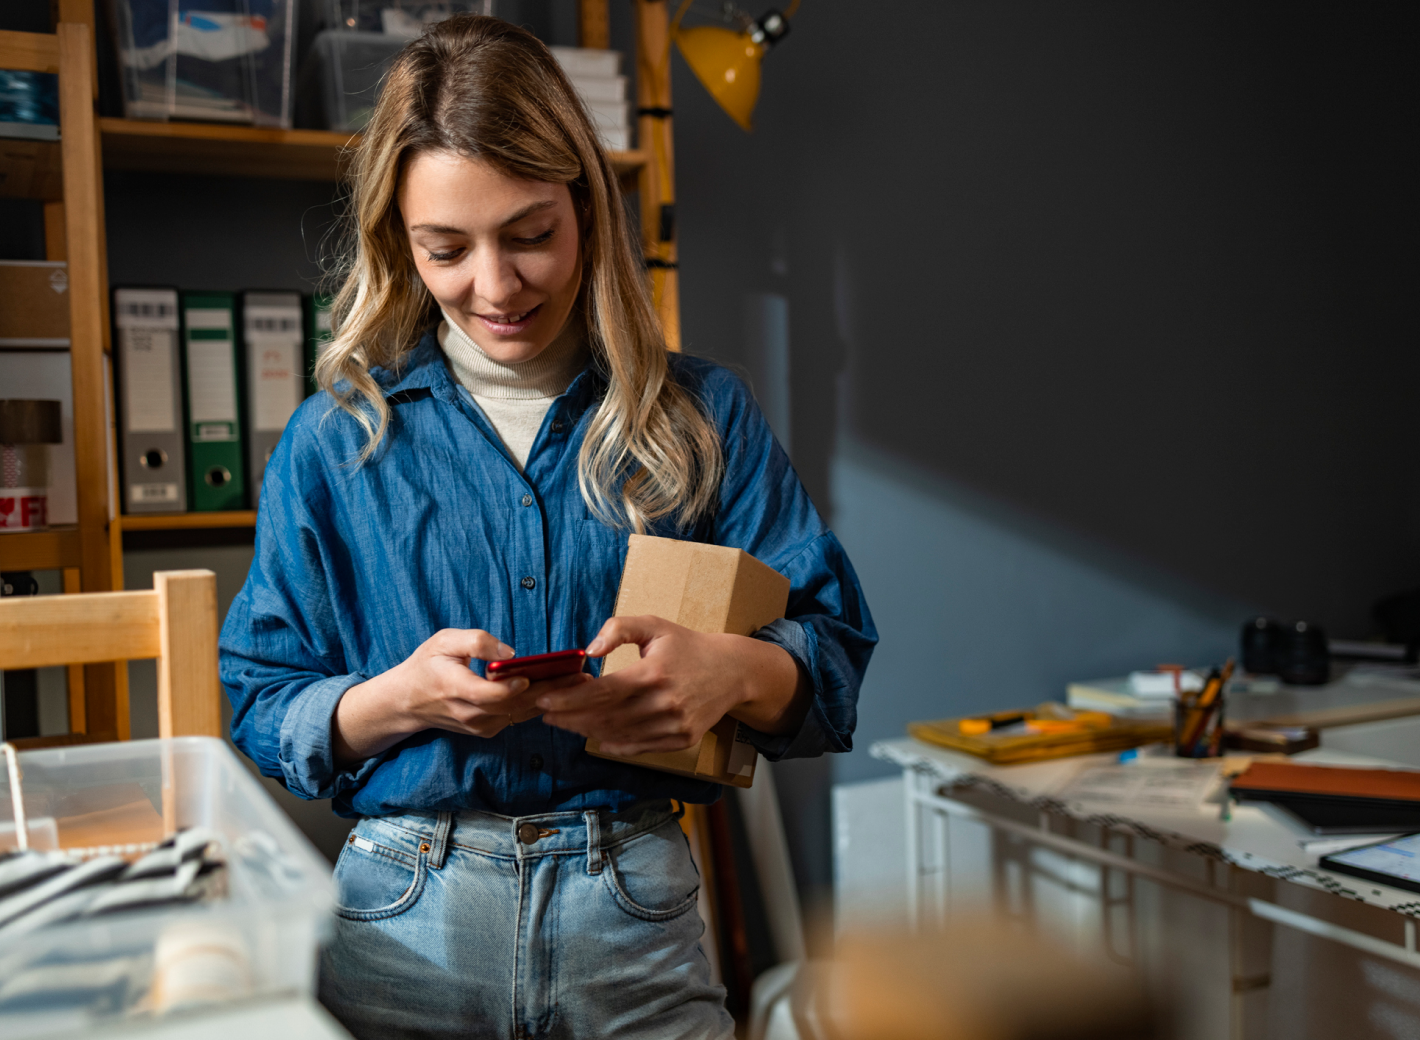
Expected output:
{"points": [[340, 81], [258, 940], [405, 19], [228, 62]]}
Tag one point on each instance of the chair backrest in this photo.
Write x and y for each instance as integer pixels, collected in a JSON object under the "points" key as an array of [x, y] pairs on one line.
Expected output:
{"points": [[175, 621]]}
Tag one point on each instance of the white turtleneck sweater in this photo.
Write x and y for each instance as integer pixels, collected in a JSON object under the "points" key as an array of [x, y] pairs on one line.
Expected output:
{"points": [[516, 397]]}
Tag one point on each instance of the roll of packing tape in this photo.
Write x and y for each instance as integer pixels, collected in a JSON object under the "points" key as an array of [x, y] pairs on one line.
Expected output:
{"points": [[198, 963]]}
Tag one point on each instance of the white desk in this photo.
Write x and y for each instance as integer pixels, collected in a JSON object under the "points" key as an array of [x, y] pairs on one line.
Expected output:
{"points": [[1250, 867]]}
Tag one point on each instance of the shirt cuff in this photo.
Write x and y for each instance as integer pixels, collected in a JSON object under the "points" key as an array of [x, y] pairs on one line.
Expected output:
{"points": [[815, 734], [307, 755]]}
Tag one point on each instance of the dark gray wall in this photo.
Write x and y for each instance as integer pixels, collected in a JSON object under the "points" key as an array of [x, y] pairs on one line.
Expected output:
{"points": [[1101, 327]]}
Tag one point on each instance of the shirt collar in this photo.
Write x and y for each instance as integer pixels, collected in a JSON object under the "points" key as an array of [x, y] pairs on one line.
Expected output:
{"points": [[423, 368]]}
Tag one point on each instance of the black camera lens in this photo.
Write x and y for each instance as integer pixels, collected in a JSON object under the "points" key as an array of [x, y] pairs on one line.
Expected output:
{"points": [[1261, 638], [1303, 657]]}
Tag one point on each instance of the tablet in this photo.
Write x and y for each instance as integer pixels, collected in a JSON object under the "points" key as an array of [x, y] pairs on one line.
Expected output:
{"points": [[1395, 862]]}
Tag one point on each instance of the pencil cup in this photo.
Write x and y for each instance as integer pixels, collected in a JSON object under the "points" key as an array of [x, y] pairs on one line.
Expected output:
{"points": [[1198, 731]]}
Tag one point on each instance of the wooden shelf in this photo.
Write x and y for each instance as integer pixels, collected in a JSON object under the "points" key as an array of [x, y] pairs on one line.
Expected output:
{"points": [[248, 151], [221, 150], [188, 521], [50, 550]]}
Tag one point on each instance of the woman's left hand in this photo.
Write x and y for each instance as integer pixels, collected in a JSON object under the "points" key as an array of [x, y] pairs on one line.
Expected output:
{"points": [[684, 683]]}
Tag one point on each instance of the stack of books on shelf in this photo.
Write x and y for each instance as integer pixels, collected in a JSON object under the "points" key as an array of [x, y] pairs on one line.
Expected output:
{"points": [[206, 382], [596, 75]]}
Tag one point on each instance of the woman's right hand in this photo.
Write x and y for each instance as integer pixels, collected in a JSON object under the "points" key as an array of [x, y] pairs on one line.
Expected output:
{"points": [[435, 689]]}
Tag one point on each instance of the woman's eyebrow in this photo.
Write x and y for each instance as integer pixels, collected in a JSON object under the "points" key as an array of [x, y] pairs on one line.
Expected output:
{"points": [[526, 211]]}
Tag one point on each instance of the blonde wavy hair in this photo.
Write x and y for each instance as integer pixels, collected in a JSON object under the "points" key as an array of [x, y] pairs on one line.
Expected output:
{"points": [[480, 87]]}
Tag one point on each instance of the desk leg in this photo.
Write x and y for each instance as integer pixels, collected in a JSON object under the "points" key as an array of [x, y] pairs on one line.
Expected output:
{"points": [[941, 864], [1118, 920], [911, 781], [1250, 953]]}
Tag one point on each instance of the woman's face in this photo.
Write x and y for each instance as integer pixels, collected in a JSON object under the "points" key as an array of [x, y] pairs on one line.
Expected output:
{"points": [[502, 256]]}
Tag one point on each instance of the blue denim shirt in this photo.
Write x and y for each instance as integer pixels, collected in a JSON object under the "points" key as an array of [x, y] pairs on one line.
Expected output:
{"points": [[357, 564]]}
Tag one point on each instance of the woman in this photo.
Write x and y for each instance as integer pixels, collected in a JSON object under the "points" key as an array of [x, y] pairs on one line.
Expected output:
{"points": [[499, 412]]}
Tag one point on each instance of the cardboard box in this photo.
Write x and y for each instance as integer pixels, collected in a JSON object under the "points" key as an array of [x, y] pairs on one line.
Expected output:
{"points": [[36, 304], [708, 588]]}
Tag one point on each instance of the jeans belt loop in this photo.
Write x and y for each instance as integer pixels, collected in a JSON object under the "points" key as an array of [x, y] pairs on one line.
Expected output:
{"points": [[594, 841], [439, 849]]}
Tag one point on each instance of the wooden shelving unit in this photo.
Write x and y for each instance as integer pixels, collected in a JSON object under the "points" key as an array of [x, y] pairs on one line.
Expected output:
{"points": [[67, 176]]}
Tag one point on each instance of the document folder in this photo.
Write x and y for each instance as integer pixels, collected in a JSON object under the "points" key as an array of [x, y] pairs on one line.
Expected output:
{"points": [[150, 391], [318, 334], [213, 402], [276, 381]]}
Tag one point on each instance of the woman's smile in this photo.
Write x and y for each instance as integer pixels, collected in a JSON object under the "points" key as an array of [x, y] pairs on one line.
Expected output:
{"points": [[509, 324]]}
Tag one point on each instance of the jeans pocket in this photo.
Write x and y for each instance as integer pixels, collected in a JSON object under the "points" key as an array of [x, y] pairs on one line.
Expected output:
{"points": [[652, 877], [374, 881]]}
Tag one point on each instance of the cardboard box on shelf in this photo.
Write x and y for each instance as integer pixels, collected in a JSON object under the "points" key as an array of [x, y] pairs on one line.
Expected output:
{"points": [[708, 588], [35, 315]]}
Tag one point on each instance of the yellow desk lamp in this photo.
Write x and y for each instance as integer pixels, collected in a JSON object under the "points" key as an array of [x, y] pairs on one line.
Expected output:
{"points": [[726, 61]]}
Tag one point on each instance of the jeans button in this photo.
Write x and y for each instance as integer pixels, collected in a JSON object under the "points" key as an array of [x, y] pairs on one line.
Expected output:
{"points": [[527, 833], [528, 582]]}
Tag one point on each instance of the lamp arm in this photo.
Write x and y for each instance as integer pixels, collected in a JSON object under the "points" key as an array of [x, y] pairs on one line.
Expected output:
{"points": [[680, 14]]}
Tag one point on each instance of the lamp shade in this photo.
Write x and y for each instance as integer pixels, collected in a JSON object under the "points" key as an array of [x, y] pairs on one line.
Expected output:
{"points": [[727, 62]]}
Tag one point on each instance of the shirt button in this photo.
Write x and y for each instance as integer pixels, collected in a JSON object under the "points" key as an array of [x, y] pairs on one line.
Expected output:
{"points": [[557, 425], [529, 582], [527, 500], [535, 761]]}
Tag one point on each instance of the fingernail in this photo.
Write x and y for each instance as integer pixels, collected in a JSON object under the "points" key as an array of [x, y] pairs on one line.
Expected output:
{"points": [[595, 649], [518, 685], [506, 650]]}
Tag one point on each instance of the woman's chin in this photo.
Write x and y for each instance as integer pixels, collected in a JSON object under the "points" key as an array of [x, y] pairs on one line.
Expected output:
{"points": [[512, 352]]}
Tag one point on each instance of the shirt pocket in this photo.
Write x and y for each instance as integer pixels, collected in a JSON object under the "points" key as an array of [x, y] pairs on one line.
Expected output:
{"points": [[596, 577], [374, 881]]}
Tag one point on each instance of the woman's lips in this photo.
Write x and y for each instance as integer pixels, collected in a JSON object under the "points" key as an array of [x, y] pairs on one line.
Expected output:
{"points": [[509, 324]]}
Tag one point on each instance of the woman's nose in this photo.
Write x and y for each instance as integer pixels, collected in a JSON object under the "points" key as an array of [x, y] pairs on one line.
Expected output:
{"points": [[495, 279]]}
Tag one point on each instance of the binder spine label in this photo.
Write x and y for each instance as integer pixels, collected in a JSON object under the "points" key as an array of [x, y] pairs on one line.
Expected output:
{"points": [[148, 494], [213, 408], [152, 436]]}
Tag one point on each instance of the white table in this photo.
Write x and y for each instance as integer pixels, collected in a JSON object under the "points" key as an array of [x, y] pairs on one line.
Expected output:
{"points": [[1252, 867], [284, 1018]]}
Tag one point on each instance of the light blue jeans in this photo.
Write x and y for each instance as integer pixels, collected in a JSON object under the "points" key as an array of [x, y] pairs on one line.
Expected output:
{"points": [[450, 925]]}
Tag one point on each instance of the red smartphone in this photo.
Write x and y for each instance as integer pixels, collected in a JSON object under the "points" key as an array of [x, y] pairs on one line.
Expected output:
{"points": [[538, 666]]}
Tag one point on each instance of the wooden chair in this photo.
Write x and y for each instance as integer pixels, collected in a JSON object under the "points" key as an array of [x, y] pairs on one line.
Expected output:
{"points": [[175, 622]]}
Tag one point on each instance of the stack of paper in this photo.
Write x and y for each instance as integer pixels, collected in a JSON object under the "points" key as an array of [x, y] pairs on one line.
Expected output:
{"points": [[1139, 695], [596, 75]]}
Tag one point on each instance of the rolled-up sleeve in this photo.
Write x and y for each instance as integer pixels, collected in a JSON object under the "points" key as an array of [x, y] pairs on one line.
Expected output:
{"points": [[281, 659], [827, 627]]}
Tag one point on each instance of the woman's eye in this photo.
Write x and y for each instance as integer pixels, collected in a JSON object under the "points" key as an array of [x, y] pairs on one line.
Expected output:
{"points": [[439, 257], [539, 240]]}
